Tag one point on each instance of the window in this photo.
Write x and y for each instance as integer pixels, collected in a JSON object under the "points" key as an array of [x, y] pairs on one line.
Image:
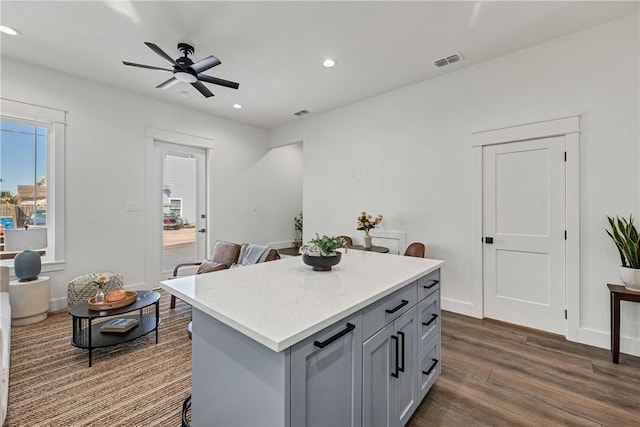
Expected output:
{"points": [[23, 174], [175, 207], [32, 173]]}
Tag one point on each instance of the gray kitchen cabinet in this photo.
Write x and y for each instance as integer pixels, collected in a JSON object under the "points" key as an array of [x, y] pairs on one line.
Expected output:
{"points": [[389, 363], [326, 376], [378, 363], [405, 398]]}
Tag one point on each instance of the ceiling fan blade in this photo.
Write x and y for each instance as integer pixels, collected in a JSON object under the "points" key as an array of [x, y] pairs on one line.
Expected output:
{"points": [[206, 63], [202, 89], [161, 52], [150, 67], [217, 81], [168, 83]]}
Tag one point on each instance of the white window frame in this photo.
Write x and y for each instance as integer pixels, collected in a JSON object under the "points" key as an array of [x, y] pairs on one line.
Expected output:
{"points": [[55, 122]]}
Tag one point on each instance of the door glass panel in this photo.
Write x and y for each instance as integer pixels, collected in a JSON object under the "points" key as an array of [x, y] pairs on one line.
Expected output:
{"points": [[179, 180]]}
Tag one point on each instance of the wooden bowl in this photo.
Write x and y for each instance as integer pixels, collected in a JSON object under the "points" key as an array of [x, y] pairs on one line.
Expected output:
{"points": [[130, 299]]}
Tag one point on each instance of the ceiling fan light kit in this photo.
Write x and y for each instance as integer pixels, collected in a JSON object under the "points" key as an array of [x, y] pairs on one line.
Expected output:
{"points": [[186, 71]]}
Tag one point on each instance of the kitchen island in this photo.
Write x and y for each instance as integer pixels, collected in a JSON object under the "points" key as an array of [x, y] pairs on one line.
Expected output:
{"points": [[279, 344]]}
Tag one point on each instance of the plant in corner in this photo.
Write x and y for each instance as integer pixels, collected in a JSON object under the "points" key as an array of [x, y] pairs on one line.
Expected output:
{"points": [[625, 236], [322, 252], [297, 224]]}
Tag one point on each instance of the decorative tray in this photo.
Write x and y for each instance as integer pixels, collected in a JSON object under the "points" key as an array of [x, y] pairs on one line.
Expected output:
{"points": [[131, 297]]}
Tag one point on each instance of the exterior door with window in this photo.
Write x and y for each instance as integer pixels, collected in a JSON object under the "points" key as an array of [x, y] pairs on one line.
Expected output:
{"points": [[524, 233], [184, 215]]}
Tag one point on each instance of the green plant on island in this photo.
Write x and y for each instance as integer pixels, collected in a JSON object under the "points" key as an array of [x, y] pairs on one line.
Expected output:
{"points": [[625, 236], [323, 246]]}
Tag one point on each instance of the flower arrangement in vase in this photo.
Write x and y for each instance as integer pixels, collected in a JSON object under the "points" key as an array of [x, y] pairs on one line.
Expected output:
{"points": [[322, 252], [100, 281], [367, 222]]}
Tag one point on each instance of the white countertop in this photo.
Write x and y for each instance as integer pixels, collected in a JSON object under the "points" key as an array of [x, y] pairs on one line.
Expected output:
{"points": [[282, 302]]}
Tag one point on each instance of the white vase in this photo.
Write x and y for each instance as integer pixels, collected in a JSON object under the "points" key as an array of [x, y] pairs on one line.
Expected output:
{"points": [[367, 241], [631, 278]]}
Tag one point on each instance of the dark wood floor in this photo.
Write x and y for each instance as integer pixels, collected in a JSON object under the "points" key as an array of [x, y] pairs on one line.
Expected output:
{"points": [[497, 374]]}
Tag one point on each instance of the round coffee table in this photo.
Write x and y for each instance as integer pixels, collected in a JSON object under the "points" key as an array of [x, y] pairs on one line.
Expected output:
{"points": [[88, 335]]}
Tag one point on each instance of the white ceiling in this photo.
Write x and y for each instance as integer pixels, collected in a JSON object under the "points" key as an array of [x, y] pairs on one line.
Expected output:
{"points": [[275, 49]]}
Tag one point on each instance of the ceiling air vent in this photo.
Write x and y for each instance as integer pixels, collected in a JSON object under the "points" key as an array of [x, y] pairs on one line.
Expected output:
{"points": [[448, 60], [301, 113]]}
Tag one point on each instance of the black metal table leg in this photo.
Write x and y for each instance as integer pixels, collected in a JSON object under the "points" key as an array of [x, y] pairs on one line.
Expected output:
{"points": [[157, 318], [90, 343]]}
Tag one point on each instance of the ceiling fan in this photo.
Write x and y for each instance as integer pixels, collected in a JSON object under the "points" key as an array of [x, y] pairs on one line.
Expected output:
{"points": [[185, 70]]}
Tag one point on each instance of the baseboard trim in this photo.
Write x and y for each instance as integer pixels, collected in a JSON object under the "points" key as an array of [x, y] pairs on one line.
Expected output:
{"points": [[281, 244], [593, 337], [460, 307]]}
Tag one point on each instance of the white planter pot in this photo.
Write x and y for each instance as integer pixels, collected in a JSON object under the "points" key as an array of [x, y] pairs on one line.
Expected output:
{"points": [[631, 278]]}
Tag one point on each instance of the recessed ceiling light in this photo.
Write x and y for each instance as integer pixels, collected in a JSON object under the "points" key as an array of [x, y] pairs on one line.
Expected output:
{"points": [[238, 106], [9, 30], [329, 63]]}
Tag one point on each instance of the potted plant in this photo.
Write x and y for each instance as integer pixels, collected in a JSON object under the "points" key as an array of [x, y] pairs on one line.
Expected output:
{"points": [[322, 252], [297, 224], [625, 236]]}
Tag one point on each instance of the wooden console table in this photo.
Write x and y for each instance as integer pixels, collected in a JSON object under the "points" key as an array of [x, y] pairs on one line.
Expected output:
{"points": [[618, 293]]}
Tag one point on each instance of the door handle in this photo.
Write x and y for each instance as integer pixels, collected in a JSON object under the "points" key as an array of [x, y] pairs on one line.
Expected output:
{"points": [[488, 240], [393, 310], [432, 367], [402, 335], [433, 283], [395, 374], [202, 230], [433, 317], [350, 327]]}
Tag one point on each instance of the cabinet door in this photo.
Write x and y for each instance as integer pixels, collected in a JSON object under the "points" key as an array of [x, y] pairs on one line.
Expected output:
{"points": [[378, 365], [326, 377], [405, 398]]}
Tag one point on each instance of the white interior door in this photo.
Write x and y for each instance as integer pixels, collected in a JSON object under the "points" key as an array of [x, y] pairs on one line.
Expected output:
{"points": [[524, 216], [184, 214]]}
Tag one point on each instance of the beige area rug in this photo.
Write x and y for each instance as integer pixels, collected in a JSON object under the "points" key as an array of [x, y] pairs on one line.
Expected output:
{"points": [[138, 383]]}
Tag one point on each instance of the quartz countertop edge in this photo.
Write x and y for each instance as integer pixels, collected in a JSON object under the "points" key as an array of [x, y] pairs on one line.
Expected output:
{"points": [[278, 342]]}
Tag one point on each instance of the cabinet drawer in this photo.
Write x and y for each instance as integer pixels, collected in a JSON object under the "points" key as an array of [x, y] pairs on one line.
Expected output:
{"points": [[429, 367], [388, 309], [428, 319], [428, 284]]}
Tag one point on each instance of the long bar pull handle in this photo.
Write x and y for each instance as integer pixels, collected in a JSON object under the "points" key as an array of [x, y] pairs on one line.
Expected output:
{"points": [[433, 283], [350, 327], [403, 344], [432, 367], [402, 304], [395, 374], [433, 317]]}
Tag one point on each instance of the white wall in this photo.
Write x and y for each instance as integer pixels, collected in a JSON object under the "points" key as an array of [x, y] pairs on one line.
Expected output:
{"points": [[413, 148], [105, 170]]}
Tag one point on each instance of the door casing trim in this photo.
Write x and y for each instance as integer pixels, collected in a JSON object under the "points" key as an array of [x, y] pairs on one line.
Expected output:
{"points": [[153, 242], [569, 127]]}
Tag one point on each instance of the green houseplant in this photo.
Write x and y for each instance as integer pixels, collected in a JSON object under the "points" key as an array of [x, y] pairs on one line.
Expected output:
{"points": [[297, 224], [322, 252], [627, 240]]}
